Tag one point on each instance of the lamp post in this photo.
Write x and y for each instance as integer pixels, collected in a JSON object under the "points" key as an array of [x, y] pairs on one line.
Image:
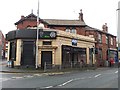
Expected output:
{"points": [[37, 37], [118, 29]]}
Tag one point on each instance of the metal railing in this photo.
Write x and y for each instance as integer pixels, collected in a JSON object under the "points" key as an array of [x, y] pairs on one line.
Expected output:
{"points": [[66, 65]]}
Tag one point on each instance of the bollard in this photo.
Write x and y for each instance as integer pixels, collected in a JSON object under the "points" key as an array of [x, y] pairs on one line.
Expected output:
{"points": [[45, 67]]}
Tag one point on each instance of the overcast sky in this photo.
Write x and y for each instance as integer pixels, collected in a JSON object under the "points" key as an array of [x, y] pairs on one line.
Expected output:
{"points": [[96, 12]]}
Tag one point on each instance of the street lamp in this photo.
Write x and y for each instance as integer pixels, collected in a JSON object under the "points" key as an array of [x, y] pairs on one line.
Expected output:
{"points": [[118, 29], [36, 65]]}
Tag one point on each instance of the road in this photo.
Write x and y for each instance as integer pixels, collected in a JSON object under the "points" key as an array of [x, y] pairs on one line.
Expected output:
{"points": [[100, 78]]}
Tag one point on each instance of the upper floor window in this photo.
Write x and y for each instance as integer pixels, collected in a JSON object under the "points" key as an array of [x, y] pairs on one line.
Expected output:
{"points": [[47, 43], [100, 38], [106, 39], [73, 30], [67, 30], [111, 41]]}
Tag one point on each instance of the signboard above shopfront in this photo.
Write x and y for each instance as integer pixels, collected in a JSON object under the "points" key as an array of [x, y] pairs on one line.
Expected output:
{"points": [[47, 35], [30, 34]]}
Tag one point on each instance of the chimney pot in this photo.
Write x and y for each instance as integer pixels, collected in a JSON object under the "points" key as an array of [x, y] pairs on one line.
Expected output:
{"points": [[105, 27], [22, 17], [81, 15]]}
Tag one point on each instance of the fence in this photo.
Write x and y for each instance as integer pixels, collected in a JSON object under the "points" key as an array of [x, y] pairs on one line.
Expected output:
{"points": [[67, 65]]}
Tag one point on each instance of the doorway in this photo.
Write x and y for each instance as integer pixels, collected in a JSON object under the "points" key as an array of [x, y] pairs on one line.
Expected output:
{"points": [[46, 57], [28, 53]]}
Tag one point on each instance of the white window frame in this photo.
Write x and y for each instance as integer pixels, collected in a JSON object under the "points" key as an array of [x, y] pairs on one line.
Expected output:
{"points": [[111, 41], [67, 30], [106, 39], [73, 31], [100, 38]]}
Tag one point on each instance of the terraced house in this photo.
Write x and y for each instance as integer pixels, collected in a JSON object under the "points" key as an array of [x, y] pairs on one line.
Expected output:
{"points": [[2, 46], [105, 46]]}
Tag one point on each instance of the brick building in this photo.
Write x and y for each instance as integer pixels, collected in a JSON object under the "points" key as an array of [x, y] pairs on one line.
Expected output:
{"points": [[106, 42], [2, 46], [56, 48]]}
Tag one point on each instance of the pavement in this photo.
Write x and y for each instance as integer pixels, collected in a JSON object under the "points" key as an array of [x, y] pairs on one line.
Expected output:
{"points": [[5, 69]]}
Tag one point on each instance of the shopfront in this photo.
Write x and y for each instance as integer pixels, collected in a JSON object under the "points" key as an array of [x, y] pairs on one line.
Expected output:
{"points": [[73, 55], [55, 47]]}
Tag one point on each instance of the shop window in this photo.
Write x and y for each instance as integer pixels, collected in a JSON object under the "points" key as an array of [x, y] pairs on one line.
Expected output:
{"points": [[47, 43]]}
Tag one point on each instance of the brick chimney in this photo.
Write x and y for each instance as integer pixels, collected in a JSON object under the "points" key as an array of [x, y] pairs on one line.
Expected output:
{"points": [[105, 27], [22, 17], [81, 15]]}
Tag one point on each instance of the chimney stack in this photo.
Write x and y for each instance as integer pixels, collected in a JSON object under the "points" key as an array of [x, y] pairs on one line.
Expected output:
{"points": [[105, 27], [81, 15], [22, 17]]}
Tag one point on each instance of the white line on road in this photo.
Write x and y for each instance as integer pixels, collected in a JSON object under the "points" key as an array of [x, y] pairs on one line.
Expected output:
{"points": [[37, 75], [4, 79], [97, 75], [48, 87], [89, 77], [66, 82], [16, 77], [29, 76], [116, 72]]}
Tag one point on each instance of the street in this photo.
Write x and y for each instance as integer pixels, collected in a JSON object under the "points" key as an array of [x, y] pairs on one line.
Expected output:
{"points": [[100, 78]]}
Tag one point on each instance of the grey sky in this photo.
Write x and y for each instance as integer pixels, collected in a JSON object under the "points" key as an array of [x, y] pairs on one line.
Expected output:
{"points": [[96, 12]]}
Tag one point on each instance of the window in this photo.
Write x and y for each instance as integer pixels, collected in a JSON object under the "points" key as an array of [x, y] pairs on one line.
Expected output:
{"points": [[47, 43], [100, 38], [111, 41], [91, 36], [106, 39], [100, 53], [73, 30], [67, 30]]}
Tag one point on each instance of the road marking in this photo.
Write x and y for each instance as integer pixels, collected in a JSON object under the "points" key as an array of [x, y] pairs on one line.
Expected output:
{"points": [[4, 79], [37, 75], [97, 75], [48, 87], [89, 77], [116, 72], [18, 77], [66, 82], [29, 76]]}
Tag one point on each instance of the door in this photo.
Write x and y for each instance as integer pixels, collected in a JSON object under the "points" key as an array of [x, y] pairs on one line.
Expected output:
{"points": [[46, 57], [28, 54]]}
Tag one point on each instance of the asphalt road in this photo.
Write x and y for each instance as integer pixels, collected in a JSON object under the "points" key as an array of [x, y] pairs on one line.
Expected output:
{"points": [[100, 78]]}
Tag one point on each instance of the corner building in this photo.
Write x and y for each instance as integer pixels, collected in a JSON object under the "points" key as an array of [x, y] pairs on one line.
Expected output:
{"points": [[105, 45], [55, 47]]}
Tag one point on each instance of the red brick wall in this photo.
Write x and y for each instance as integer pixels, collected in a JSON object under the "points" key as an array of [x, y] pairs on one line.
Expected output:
{"points": [[103, 38], [26, 23]]}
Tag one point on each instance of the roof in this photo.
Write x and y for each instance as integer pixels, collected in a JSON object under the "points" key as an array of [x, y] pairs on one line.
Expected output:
{"points": [[30, 16], [98, 30], [64, 22], [53, 21]]}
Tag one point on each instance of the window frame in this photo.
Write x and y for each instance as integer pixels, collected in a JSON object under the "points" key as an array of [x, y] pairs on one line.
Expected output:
{"points": [[46, 43], [100, 38]]}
